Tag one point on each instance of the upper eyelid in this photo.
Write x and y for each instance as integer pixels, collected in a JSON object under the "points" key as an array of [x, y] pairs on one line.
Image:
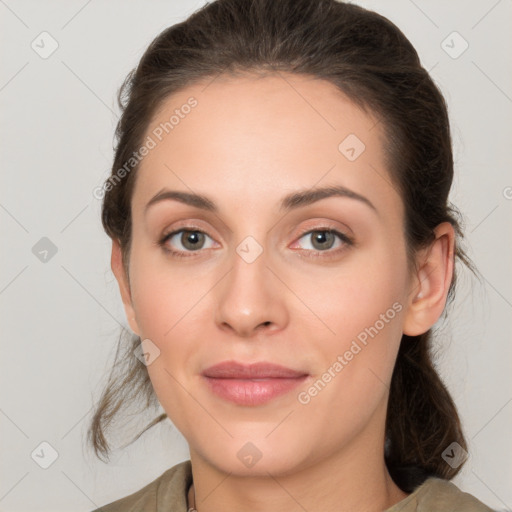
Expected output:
{"points": [[191, 227]]}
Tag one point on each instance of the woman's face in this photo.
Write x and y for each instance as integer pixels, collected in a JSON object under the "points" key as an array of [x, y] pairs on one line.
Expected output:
{"points": [[259, 279]]}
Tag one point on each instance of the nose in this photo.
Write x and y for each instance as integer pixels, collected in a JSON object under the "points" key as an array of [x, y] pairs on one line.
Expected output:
{"points": [[251, 299]]}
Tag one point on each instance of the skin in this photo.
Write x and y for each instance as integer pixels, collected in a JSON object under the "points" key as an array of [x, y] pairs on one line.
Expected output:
{"points": [[249, 142]]}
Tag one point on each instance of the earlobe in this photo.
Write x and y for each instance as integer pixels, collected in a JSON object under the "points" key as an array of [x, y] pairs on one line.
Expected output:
{"points": [[431, 283], [117, 265]]}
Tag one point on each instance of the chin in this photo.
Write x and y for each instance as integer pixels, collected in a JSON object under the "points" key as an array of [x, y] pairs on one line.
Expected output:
{"points": [[242, 456]]}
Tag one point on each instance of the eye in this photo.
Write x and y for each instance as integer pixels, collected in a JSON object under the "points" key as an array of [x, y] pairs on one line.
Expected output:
{"points": [[186, 240], [325, 240]]}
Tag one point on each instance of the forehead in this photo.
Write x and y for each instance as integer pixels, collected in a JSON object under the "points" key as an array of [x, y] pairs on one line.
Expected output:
{"points": [[262, 133], [266, 104]]}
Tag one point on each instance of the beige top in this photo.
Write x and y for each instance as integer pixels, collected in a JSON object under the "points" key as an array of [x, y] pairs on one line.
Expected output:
{"points": [[168, 493]]}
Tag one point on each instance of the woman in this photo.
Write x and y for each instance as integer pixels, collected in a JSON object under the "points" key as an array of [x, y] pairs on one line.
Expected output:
{"points": [[283, 244]]}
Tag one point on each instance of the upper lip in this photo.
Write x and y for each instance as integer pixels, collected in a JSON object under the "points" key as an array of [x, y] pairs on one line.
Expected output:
{"points": [[260, 370]]}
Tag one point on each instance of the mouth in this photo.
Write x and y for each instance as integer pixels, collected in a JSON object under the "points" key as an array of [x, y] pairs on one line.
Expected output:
{"points": [[251, 385]]}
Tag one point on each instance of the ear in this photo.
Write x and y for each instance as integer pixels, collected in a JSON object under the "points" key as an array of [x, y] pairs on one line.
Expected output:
{"points": [[431, 282], [116, 263]]}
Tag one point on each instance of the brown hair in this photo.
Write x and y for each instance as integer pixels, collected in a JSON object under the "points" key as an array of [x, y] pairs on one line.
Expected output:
{"points": [[370, 60]]}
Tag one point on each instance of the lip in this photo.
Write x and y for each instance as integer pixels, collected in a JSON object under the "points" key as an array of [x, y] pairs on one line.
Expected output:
{"points": [[253, 384]]}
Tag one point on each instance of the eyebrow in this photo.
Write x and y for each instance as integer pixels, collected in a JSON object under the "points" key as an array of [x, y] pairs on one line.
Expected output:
{"points": [[288, 203]]}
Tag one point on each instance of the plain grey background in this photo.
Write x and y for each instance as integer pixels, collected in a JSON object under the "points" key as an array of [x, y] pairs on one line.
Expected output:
{"points": [[61, 311]]}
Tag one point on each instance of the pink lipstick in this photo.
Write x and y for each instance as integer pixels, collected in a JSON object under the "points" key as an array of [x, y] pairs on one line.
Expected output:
{"points": [[253, 384]]}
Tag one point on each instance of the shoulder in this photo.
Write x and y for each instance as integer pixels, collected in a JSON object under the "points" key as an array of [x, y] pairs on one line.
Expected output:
{"points": [[166, 491], [439, 494], [443, 493]]}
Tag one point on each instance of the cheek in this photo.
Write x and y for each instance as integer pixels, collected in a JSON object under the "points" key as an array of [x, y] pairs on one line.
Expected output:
{"points": [[361, 304], [166, 303], [169, 303], [163, 294], [354, 296]]}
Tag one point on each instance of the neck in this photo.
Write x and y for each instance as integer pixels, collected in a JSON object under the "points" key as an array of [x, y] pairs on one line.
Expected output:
{"points": [[355, 478]]}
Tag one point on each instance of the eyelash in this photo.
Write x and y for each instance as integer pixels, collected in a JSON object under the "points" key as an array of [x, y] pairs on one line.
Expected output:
{"points": [[347, 241]]}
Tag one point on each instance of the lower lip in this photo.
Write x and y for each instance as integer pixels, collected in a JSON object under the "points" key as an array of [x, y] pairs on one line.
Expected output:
{"points": [[253, 392]]}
